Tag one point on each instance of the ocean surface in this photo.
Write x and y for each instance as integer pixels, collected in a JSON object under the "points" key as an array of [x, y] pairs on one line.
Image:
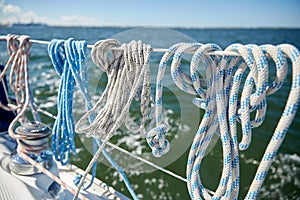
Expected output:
{"points": [[283, 180]]}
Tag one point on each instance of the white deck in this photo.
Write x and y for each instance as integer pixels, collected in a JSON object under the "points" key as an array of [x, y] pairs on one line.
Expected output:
{"points": [[16, 187]]}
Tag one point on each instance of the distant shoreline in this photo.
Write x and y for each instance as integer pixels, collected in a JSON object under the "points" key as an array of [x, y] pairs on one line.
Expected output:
{"points": [[29, 25], [17, 25]]}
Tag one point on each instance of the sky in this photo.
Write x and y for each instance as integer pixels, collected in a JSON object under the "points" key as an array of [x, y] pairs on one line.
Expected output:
{"points": [[160, 13]]}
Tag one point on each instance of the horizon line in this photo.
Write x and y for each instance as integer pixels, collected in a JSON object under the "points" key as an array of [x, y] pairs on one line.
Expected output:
{"points": [[155, 26]]}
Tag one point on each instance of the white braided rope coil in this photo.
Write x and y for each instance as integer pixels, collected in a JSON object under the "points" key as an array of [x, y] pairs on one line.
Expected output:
{"points": [[126, 73], [224, 106], [285, 121]]}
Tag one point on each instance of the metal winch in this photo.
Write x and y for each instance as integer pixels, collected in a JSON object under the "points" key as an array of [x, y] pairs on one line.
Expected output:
{"points": [[34, 143]]}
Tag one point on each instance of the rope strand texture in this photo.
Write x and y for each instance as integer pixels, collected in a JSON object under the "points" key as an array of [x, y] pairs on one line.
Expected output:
{"points": [[60, 53], [75, 54], [19, 52], [224, 105], [229, 111], [125, 72], [74, 59], [286, 118]]}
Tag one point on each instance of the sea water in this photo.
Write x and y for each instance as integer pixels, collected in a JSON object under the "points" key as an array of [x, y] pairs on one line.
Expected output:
{"points": [[283, 180]]}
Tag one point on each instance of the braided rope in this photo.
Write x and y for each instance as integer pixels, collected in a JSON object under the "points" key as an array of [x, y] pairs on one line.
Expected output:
{"points": [[182, 80], [221, 100], [125, 73], [63, 129], [75, 54], [213, 120], [19, 52], [286, 118], [225, 94], [224, 106], [156, 136], [12, 48]]}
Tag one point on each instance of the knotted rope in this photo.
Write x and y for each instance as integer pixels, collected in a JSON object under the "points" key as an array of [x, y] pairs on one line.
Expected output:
{"points": [[156, 136], [126, 71]]}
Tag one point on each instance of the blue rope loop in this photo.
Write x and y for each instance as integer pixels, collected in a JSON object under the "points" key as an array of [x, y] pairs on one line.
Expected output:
{"points": [[63, 130], [256, 60], [68, 58]]}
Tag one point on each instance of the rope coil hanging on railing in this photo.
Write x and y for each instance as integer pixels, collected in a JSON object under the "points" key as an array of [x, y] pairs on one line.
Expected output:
{"points": [[63, 129], [19, 52], [220, 97], [127, 71], [223, 106], [68, 58]]}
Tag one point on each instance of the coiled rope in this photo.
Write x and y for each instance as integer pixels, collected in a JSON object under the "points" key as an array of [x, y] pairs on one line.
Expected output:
{"points": [[19, 52], [223, 106], [286, 118], [221, 100], [71, 54], [126, 73], [18, 59], [63, 129]]}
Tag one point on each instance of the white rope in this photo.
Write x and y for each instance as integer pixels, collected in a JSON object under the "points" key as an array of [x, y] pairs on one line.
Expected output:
{"points": [[156, 136], [212, 120], [126, 74], [227, 110], [223, 106], [285, 121]]}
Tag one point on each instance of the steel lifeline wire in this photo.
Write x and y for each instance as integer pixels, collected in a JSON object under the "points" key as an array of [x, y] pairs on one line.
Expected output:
{"points": [[46, 113], [154, 50], [68, 58]]}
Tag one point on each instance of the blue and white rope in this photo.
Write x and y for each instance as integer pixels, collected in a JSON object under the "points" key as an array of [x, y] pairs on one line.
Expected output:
{"points": [[286, 118], [63, 129], [75, 54], [156, 136], [256, 59], [181, 79], [224, 105], [213, 120]]}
